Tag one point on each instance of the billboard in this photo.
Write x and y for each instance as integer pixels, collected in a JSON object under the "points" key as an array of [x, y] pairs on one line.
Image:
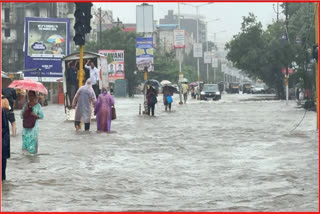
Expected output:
{"points": [[115, 64], [214, 62], [144, 53], [144, 18], [178, 36], [197, 50], [46, 42], [207, 57]]}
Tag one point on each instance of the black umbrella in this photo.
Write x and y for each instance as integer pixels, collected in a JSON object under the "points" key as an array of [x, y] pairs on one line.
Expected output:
{"points": [[152, 82], [170, 88]]}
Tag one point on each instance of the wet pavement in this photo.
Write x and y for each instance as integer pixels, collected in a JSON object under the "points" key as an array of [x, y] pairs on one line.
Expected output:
{"points": [[229, 155]]}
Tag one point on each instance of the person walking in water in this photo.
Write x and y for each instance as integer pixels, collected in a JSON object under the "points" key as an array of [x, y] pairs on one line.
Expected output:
{"points": [[167, 97], [82, 102], [103, 110], [151, 100], [30, 114], [185, 92]]}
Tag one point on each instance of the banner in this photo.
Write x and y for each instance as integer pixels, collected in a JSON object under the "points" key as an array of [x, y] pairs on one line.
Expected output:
{"points": [[144, 53], [46, 42], [115, 64], [178, 36], [215, 62], [207, 57], [197, 50]]}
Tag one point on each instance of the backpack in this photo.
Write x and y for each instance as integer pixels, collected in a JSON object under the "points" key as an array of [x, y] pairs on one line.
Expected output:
{"points": [[169, 99], [29, 120], [153, 99]]}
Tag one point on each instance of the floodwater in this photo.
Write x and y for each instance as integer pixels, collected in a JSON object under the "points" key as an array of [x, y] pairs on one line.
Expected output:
{"points": [[227, 155]]}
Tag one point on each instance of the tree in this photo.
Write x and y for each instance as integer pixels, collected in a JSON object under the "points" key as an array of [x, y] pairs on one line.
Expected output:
{"points": [[116, 39]]}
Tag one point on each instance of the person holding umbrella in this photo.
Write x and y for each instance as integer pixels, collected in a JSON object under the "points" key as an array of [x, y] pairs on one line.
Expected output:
{"points": [[151, 99], [30, 114]]}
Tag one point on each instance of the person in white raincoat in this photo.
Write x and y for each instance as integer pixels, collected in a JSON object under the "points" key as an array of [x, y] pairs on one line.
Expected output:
{"points": [[82, 102]]}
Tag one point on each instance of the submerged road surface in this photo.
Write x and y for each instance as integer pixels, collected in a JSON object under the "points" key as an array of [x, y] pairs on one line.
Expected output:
{"points": [[227, 155]]}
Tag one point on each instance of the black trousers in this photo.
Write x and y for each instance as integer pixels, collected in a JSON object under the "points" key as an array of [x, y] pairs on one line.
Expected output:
{"points": [[3, 168], [96, 89], [151, 106]]}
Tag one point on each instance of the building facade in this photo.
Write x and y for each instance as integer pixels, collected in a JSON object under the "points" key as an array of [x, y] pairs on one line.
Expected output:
{"points": [[12, 28]]}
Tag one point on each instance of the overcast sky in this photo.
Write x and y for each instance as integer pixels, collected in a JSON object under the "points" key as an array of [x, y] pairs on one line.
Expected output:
{"points": [[230, 14]]}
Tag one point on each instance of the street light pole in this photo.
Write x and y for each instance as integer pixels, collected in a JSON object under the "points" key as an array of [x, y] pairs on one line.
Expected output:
{"points": [[179, 54], [198, 65]]}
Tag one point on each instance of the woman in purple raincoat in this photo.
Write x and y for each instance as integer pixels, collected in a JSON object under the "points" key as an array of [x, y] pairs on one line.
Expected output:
{"points": [[103, 110]]}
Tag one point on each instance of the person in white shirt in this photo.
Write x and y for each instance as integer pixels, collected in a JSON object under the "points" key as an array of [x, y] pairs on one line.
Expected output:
{"points": [[94, 76]]}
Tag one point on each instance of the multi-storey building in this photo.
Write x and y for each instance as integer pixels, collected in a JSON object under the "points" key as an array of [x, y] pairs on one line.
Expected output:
{"points": [[12, 28]]}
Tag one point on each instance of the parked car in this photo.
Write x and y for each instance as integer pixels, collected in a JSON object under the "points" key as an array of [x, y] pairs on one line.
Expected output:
{"points": [[210, 91], [259, 89]]}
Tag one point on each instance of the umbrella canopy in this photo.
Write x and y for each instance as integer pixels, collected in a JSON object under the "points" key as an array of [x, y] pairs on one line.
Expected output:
{"points": [[29, 85], [169, 88], [55, 39], [165, 83], [184, 80], [153, 83], [193, 84]]}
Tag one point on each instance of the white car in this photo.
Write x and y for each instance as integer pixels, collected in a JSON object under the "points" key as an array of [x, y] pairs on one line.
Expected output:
{"points": [[259, 89]]}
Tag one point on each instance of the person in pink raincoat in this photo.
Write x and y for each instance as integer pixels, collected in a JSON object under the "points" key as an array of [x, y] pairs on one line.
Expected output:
{"points": [[103, 110]]}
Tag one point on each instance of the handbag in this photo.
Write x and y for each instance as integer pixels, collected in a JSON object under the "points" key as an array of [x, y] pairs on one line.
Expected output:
{"points": [[29, 120], [114, 115]]}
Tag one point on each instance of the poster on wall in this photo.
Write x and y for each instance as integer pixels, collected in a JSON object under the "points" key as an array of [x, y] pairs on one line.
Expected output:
{"points": [[144, 54], [46, 43], [115, 64]]}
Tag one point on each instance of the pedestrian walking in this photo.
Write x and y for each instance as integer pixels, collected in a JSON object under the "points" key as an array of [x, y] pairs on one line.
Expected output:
{"points": [[167, 97], [185, 92], [94, 76], [192, 91], [11, 95], [5, 143], [103, 110], [151, 99], [30, 114], [82, 102]]}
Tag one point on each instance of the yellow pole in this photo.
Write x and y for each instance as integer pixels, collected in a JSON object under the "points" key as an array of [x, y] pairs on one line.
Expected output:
{"points": [[81, 72], [317, 66], [145, 75]]}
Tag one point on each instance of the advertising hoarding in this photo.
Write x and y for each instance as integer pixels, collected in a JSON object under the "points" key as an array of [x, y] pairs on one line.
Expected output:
{"points": [[46, 42], [197, 50], [115, 64], [144, 53], [178, 36], [207, 57], [215, 62], [144, 18]]}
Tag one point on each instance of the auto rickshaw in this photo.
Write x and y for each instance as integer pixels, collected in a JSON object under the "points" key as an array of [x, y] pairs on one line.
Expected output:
{"points": [[101, 63], [234, 88], [246, 88]]}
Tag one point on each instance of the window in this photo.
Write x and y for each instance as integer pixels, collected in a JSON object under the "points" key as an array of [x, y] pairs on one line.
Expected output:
{"points": [[36, 12], [6, 14], [7, 32]]}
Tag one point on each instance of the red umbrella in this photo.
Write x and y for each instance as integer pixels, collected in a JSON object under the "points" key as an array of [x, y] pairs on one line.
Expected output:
{"points": [[29, 85]]}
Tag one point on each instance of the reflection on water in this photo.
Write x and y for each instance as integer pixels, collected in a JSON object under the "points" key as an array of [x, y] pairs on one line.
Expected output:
{"points": [[230, 155]]}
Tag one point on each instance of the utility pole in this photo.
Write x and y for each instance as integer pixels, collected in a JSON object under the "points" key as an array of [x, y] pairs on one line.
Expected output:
{"points": [[100, 30], [316, 24], [287, 38], [179, 54]]}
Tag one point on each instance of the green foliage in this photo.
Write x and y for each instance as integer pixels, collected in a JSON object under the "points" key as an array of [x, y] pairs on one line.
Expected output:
{"points": [[263, 53]]}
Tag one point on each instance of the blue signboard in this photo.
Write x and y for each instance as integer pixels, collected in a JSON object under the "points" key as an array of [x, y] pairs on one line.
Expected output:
{"points": [[46, 42], [144, 53]]}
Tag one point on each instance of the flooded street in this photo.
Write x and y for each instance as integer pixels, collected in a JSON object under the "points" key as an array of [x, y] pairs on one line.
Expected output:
{"points": [[227, 155]]}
